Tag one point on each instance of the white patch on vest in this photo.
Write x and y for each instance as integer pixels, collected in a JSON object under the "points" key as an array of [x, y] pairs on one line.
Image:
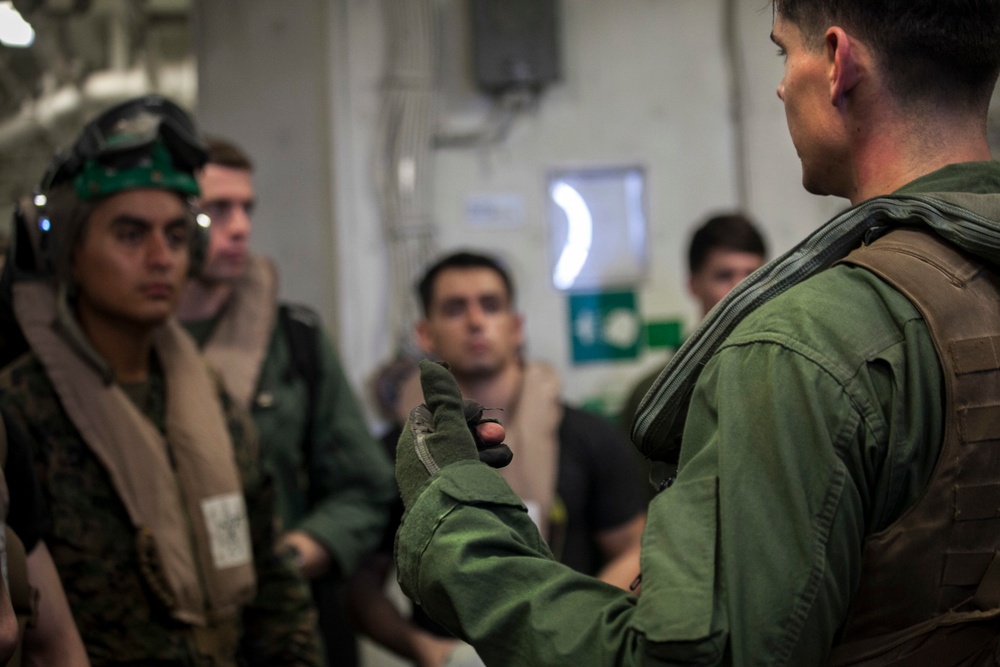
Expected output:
{"points": [[228, 530], [534, 512]]}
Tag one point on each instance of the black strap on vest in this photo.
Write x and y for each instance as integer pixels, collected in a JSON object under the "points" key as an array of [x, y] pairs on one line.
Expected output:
{"points": [[301, 326]]}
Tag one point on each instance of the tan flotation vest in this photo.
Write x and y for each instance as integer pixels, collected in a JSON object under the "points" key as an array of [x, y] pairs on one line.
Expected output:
{"points": [[929, 590], [183, 492], [238, 345]]}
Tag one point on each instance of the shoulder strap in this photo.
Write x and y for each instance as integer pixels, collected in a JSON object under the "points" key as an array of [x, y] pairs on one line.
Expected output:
{"points": [[301, 325]]}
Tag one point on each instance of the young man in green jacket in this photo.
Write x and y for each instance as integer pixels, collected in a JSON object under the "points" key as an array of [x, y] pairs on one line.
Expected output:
{"points": [[333, 481], [833, 499]]}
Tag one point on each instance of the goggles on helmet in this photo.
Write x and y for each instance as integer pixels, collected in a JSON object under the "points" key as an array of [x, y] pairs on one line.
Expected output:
{"points": [[145, 142]]}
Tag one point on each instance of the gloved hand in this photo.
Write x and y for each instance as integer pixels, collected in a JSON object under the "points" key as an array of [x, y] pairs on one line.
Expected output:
{"points": [[442, 431]]}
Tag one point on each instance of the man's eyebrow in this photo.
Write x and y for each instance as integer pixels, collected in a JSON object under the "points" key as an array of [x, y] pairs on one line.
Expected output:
{"points": [[773, 38], [229, 199], [127, 219]]}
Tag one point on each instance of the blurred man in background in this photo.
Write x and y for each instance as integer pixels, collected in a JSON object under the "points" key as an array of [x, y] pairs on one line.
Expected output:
{"points": [[334, 483], [573, 470], [724, 250]]}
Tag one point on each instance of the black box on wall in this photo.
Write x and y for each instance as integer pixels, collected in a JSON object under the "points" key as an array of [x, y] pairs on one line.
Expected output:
{"points": [[515, 44]]}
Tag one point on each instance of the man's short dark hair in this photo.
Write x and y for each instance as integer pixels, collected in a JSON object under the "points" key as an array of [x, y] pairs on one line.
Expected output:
{"points": [[225, 153], [731, 231], [463, 259], [931, 50]]}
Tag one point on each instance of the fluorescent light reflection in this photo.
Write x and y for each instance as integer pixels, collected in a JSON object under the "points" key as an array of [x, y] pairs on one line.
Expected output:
{"points": [[14, 30], [579, 236]]}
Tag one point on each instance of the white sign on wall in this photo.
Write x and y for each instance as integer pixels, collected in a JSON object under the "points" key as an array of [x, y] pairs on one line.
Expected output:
{"points": [[597, 228]]}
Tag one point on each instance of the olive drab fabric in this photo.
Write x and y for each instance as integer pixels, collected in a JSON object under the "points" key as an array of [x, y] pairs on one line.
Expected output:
{"points": [[943, 555]]}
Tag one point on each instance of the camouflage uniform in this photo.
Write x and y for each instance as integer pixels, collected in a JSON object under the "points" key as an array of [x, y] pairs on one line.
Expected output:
{"points": [[120, 616]]}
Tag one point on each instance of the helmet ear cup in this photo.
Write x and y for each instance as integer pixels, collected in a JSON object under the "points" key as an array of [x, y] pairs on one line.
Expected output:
{"points": [[32, 249]]}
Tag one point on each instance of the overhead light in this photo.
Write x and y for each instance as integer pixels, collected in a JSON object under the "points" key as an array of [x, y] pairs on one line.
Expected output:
{"points": [[14, 30]]}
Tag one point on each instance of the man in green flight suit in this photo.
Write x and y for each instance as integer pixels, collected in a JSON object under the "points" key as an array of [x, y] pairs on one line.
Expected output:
{"points": [[333, 481], [158, 517], [837, 422]]}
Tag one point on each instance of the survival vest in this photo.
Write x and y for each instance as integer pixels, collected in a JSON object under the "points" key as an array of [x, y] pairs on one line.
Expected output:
{"points": [[929, 590]]}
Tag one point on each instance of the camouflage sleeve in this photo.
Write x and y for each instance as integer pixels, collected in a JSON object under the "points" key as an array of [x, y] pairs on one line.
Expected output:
{"points": [[279, 627]]}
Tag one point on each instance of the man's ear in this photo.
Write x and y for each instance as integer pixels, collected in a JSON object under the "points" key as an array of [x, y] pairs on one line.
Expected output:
{"points": [[424, 338], [519, 328], [692, 285], [845, 71]]}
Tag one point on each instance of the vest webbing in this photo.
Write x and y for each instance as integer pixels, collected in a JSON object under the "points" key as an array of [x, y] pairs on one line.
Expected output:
{"points": [[929, 590]]}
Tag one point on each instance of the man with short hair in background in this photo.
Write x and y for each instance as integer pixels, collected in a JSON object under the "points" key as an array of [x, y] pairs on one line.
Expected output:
{"points": [[724, 250], [333, 481], [573, 469]]}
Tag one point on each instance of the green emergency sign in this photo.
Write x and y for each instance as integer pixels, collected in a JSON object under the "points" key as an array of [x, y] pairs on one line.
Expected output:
{"points": [[604, 326]]}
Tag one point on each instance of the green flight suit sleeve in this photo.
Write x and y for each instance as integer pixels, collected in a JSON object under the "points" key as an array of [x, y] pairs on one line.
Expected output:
{"points": [[470, 554], [736, 565], [765, 496], [351, 484]]}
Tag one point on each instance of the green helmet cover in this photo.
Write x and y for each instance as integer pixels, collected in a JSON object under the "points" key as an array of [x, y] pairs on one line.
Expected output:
{"points": [[155, 171]]}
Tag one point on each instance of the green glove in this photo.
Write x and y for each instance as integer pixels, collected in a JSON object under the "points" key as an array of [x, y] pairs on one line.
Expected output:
{"points": [[440, 432]]}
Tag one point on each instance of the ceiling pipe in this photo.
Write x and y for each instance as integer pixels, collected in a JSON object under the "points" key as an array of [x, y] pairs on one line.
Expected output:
{"points": [[98, 90]]}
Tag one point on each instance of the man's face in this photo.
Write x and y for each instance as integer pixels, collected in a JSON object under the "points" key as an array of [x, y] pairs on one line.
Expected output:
{"points": [[809, 110], [720, 273], [131, 261], [471, 323], [228, 199]]}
